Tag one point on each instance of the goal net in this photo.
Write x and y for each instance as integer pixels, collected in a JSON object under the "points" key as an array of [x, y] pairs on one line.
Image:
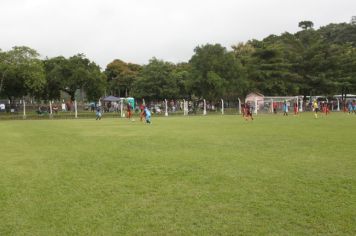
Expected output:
{"points": [[276, 104]]}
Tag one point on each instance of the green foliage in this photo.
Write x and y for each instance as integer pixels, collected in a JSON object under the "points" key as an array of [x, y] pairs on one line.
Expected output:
{"points": [[22, 73], [121, 76], [216, 73], [339, 33], [306, 25], [307, 62], [96, 87], [54, 77], [157, 81], [182, 75], [76, 72]]}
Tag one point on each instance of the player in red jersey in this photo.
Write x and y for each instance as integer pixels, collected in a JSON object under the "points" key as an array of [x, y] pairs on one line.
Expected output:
{"points": [[142, 114], [295, 109], [248, 112], [129, 112]]}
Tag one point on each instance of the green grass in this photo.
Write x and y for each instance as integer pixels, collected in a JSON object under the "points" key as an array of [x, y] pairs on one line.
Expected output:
{"points": [[198, 175]]}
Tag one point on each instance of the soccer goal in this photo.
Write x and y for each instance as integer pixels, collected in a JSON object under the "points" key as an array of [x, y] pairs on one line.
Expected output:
{"points": [[276, 104]]}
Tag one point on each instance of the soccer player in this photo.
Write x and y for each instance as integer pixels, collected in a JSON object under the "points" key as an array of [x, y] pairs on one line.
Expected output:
{"points": [[350, 107], [244, 112], [316, 109], [295, 108], [142, 114], [327, 110], [285, 108], [129, 113], [148, 115], [248, 112], [274, 107], [344, 106], [98, 114]]}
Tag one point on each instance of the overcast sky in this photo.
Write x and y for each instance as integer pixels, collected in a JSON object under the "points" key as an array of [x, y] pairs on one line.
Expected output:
{"points": [[137, 30]]}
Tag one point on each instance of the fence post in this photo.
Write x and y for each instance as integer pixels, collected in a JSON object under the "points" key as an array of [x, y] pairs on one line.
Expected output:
{"points": [[166, 113], [50, 108], [121, 108], [338, 105], [186, 108], [222, 107], [204, 111], [272, 106], [301, 105], [239, 106], [24, 109], [75, 108], [183, 107], [255, 106]]}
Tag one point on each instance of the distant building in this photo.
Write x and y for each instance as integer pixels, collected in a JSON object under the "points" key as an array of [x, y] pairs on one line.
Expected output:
{"points": [[253, 98], [353, 20]]}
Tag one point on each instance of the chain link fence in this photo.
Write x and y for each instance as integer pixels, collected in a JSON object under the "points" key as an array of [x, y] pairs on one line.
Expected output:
{"points": [[30, 109]]}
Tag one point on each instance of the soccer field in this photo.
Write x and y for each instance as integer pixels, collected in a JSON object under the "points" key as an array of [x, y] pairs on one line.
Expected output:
{"points": [[213, 175]]}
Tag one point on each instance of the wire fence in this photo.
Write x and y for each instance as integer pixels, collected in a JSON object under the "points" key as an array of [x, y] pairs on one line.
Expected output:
{"points": [[29, 109]]}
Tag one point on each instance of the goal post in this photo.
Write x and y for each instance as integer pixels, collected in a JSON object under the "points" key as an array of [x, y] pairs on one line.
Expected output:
{"points": [[274, 104]]}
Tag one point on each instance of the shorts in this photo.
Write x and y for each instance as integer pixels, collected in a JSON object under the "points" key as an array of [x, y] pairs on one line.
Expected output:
{"points": [[148, 119]]}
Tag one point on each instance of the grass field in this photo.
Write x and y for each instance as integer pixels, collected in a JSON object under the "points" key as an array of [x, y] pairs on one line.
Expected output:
{"points": [[209, 175]]}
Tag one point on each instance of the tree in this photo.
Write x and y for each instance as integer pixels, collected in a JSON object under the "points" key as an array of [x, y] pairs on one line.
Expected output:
{"points": [[96, 88], [156, 81], [121, 76], [22, 73], [215, 72], [270, 72], [54, 77], [339, 33], [4, 67], [243, 51], [77, 72], [344, 72], [182, 75], [306, 25]]}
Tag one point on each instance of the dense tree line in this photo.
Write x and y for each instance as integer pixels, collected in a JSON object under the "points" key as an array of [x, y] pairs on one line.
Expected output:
{"points": [[22, 74], [309, 62]]}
